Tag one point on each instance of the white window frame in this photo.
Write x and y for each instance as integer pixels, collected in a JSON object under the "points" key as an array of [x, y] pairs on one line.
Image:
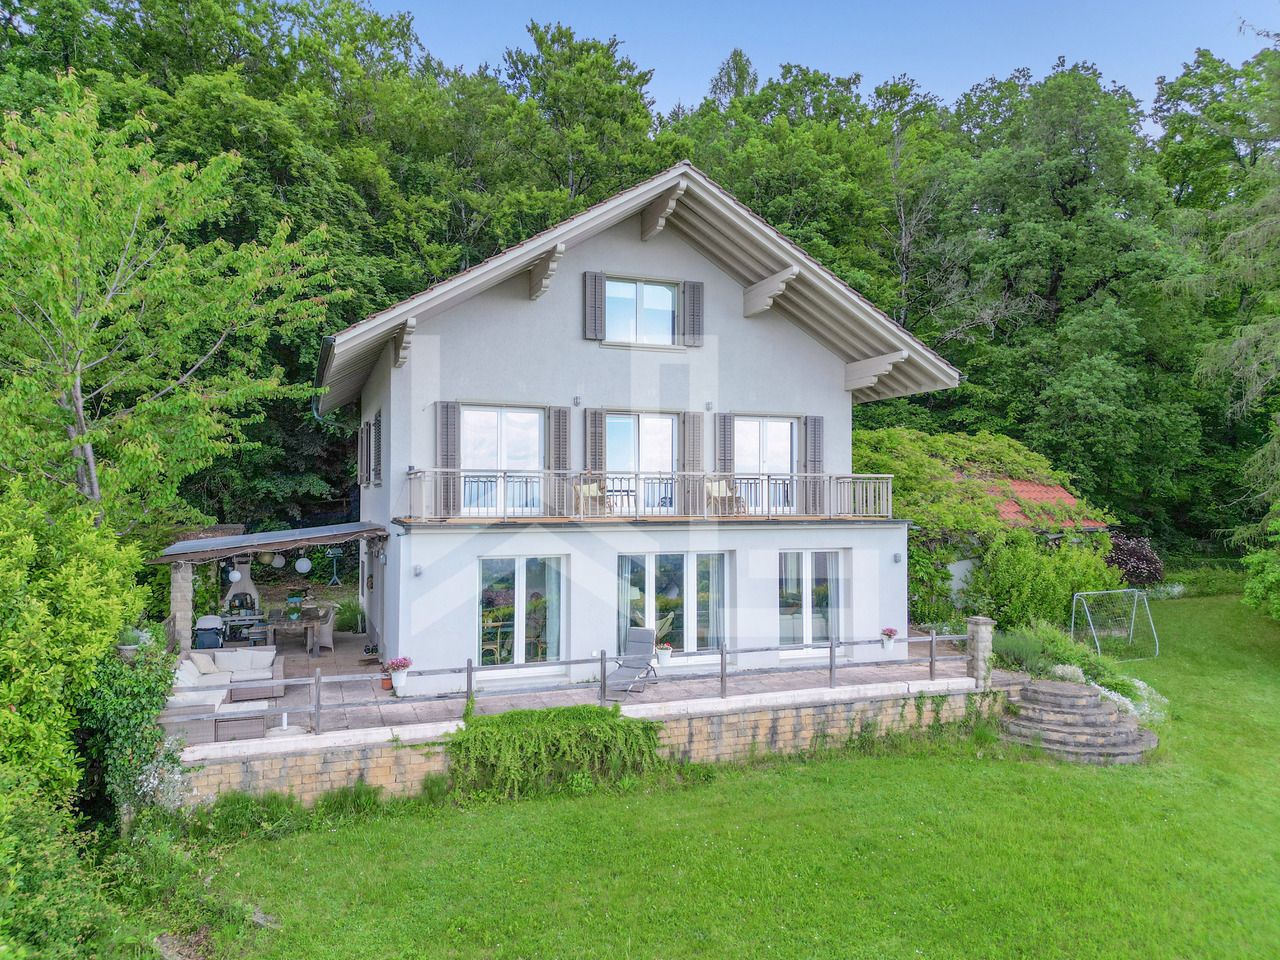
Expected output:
{"points": [[640, 283], [501, 482], [640, 489], [689, 593], [806, 604], [782, 495], [520, 613]]}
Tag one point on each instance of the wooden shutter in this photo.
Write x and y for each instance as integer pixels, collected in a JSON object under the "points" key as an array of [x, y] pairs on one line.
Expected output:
{"points": [[691, 312], [448, 480], [692, 464], [376, 446], [812, 463], [362, 454], [594, 436], [724, 443], [593, 306], [558, 458]]}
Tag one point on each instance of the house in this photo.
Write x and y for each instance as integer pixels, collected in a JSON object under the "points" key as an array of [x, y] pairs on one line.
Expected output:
{"points": [[640, 416]]}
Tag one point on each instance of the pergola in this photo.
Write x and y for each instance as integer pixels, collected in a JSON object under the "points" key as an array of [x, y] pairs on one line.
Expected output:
{"points": [[184, 554]]}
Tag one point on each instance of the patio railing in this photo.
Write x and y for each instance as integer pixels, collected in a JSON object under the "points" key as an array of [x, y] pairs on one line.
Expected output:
{"points": [[473, 674], [584, 495]]}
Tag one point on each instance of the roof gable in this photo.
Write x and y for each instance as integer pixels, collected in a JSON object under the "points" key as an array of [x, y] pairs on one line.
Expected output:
{"points": [[883, 359]]}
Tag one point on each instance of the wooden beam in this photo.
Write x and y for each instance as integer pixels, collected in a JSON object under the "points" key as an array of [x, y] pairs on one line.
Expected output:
{"points": [[863, 374], [654, 217], [404, 336], [543, 269], [759, 297]]}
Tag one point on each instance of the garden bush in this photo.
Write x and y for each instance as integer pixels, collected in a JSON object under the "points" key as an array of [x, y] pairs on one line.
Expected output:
{"points": [[562, 749], [1262, 589], [1021, 580], [1136, 559], [51, 903], [1037, 647]]}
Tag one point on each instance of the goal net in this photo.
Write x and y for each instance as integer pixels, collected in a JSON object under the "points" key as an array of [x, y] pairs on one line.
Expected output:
{"points": [[1115, 622]]}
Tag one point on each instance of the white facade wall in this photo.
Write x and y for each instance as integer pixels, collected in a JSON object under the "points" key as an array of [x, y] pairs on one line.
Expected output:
{"points": [[500, 348]]}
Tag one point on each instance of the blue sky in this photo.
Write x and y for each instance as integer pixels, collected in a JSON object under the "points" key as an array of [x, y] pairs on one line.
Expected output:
{"points": [[946, 46]]}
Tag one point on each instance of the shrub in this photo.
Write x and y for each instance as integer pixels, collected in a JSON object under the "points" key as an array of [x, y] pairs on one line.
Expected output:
{"points": [[1212, 580], [119, 715], [1021, 580], [1037, 647], [349, 617], [51, 905], [527, 752], [1262, 589], [66, 590], [1136, 559]]}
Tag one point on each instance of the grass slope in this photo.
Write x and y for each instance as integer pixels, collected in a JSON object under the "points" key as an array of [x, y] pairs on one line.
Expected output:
{"points": [[951, 855]]}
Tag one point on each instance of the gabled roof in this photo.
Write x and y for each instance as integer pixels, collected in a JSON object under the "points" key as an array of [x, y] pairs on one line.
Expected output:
{"points": [[1051, 495], [883, 359]]}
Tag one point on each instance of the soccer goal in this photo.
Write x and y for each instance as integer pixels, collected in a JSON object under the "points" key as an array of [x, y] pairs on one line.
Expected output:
{"points": [[1116, 622]]}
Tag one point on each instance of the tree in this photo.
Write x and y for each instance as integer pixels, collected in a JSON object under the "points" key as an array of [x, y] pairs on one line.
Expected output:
{"points": [[133, 349], [735, 78]]}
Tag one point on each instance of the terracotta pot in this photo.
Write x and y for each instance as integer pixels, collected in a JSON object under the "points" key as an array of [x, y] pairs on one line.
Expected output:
{"points": [[386, 682]]}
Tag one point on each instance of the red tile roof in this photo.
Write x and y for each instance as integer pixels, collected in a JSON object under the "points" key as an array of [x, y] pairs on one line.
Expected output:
{"points": [[1028, 491]]}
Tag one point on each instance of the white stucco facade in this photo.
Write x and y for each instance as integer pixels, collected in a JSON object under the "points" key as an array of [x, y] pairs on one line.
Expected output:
{"points": [[500, 346]]}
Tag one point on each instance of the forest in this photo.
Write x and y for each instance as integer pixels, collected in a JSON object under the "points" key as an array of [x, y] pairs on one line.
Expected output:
{"points": [[1102, 270]]}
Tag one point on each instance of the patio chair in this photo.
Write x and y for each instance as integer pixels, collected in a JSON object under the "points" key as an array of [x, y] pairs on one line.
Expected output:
{"points": [[590, 498], [723, 500], [635, 665], [323, 632]]}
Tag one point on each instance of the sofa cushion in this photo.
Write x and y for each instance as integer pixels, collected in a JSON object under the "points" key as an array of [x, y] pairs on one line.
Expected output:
{"points": [[187, 675], [196, 698], [203, 662], [240, 675], [233, 659], [261, 659], [211, 679]]}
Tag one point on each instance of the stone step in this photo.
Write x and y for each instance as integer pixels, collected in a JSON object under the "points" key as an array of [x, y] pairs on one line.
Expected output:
{"points": [[1105, 712], [1132, 752], [1058, 694], [1103, 735]]}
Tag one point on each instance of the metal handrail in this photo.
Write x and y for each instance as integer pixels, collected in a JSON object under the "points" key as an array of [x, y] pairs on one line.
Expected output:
{"points": [[440, 494], [602, 659]]}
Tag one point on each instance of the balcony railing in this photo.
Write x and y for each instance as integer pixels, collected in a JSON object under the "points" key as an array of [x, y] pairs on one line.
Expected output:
{"points": [[583, 495]]}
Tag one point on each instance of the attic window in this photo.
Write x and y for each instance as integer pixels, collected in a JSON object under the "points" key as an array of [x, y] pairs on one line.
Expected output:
{"points": [[640, 311]]}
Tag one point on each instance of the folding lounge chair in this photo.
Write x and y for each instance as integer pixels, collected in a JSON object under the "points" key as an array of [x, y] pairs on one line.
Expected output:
{"points": [[634, 666]]}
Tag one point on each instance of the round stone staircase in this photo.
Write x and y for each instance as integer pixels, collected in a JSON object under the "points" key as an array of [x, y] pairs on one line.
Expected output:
{"points": [[1075, 722]]}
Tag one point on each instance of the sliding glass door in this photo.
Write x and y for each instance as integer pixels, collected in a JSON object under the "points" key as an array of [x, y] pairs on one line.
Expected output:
{"points": [[808, 597], [669, 591], [521, 618]]}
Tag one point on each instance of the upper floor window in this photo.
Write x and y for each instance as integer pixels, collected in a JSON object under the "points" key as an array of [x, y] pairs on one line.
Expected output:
{"points": [[640, 311]]}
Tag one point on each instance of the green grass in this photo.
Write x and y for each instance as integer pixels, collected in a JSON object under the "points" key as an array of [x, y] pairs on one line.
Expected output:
{"points": [[949, 853]]}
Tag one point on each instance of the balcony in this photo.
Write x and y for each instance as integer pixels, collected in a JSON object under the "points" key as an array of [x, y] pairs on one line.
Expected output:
{"points": [[513, 495]]}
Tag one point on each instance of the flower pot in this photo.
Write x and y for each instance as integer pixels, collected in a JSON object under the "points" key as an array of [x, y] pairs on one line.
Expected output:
{"points": [[664, 657], [398, 677], [386, 682], [127, 651], [886, 642]]}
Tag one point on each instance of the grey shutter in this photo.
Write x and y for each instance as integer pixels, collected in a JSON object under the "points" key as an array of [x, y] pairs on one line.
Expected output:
{"points": [[593, 306], [376, 446], [691, 312], [724, 443], [448, 481], [558, 451], [692, 463], [594, 435], [812, 464], [362, 454]]}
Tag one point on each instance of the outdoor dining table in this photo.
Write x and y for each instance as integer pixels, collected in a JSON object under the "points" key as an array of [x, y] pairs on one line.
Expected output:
{"points": [[306, 622]]}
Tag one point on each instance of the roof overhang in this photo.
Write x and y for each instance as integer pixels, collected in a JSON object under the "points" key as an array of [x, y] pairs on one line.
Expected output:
{"points": [[884, 359], [217, 548]]}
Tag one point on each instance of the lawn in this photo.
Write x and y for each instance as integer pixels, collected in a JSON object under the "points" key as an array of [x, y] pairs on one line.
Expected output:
{"points": [[958, 854]]}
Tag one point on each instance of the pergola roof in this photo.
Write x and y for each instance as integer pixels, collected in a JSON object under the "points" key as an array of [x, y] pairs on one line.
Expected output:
{"points": [[883, 359], [216, 548]]}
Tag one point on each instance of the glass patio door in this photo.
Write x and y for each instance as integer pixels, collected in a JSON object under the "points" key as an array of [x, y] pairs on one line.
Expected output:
{"points": [[640, 463], [501, 456], [764, 463], [520, 610], [667, 591]]}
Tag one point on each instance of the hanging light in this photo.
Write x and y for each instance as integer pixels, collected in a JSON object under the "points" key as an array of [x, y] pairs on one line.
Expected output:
{"points": [[302, 565], [278, 561], [234, 576], [266, 558]]}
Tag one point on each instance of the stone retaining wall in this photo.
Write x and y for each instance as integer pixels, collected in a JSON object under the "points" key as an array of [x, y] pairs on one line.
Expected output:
{"points": [[705, 731]]}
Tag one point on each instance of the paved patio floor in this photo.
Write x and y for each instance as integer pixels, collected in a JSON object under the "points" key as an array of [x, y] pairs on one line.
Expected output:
{"points": [[356, 704]]}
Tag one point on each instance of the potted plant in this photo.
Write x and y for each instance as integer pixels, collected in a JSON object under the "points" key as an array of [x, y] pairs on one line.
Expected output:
{"points": [[664, 654], [398, 667], [886, 637]]}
